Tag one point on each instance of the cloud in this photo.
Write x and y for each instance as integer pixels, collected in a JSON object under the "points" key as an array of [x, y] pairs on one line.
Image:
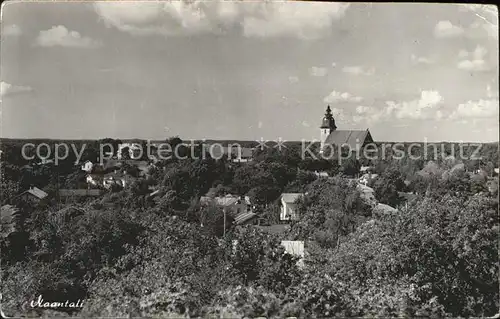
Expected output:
{"points": [[260, 124], [293, 79], [476, 60], [335, 97], [446, 29], [317, 71], [61, 36], [12, 30], [477, 109], [357, 118], [363, 109], [9, 89], [421, 60], [253, 19], [334, 64], [305, 124], [357, 70], [425, 107]]}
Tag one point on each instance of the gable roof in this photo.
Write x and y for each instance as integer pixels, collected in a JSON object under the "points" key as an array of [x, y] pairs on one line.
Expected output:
{"points": [[243, 217], [291, 198], [354, 138], [37, 192]]}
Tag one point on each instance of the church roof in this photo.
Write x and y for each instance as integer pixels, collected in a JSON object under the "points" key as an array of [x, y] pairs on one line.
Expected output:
{"points": [[354, 138]]}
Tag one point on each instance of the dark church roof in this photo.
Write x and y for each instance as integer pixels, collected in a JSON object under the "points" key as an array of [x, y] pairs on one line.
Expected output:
{"points": [[354, 138]]}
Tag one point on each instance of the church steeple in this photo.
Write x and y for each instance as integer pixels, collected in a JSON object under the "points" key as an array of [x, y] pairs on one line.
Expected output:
{"points": [[327, 127], [328, 120]]}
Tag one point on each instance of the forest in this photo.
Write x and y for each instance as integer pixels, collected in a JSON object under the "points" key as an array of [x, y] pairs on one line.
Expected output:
{"points": [[126, 253]]}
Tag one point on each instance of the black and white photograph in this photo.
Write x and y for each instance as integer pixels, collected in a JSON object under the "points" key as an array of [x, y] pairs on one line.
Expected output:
{"points": [[249, 159]]}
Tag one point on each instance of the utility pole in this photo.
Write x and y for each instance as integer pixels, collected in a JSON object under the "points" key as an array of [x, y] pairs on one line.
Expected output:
{"points": [[224, 210]]}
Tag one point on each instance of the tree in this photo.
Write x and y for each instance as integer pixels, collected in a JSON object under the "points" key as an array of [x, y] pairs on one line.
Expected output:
{"points": [[125, 153]]}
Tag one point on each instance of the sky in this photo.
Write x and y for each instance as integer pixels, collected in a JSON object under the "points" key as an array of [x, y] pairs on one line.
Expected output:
{"points": [[248, 70]]}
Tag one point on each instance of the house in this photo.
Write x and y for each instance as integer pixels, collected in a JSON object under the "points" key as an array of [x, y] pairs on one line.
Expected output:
{"points": [[94, 180], [295, 248], [239, 208], [116, 178], [321, 174], [45, 161], [33, 195], [330, 136], [367, 178], [367, 195], [87, 166], [292, 247], [289, 206]]}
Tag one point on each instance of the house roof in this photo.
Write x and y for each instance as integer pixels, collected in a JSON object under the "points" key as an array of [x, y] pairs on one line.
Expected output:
{"points": [[369, 176], [354, 138], [291, 197], [37, 192], [243, 217]]}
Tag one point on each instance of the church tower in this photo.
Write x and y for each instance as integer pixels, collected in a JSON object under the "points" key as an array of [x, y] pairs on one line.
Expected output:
{"points": [[327, 126]]}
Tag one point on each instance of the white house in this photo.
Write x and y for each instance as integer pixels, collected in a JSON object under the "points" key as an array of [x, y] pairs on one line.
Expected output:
{"points": [[87, 166], [321, 174], [366, 178], [115, 179], [93, 180], [289, 206], [295, 248]]}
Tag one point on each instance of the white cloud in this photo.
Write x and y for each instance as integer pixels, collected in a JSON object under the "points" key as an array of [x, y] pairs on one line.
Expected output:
{"points": [[421, 60], [305, 124], [334, 64], [293, 79], [357, 118], [260, 124], [8, 89], [255, 19], [12, 30], [335, 96], [317, 71], [61, 36], [477, 109], [446, 29], [357, 70], [426, 107], [476, 61], [363, 109]]}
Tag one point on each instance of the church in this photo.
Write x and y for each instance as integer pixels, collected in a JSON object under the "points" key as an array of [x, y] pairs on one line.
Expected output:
{"points": [[331, 136]]}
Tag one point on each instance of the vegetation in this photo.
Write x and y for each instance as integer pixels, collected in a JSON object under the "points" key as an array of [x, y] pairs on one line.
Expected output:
{"points": [[129, 253]]}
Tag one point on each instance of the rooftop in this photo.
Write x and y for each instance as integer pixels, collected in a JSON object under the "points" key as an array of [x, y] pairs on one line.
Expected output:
{"points": [[291, 197]]}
